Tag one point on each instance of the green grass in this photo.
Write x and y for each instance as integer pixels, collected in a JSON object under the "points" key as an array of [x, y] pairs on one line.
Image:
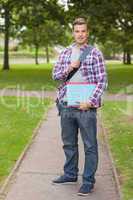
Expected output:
{"points": [[118, 119], [28, 77], [18, 118], [120, 78]]}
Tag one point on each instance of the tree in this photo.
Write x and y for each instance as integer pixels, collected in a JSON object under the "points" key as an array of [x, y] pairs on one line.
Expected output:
{"points": [[9, 10], [31, 14], [42, 28], [107, 15], [45, 35], [5, 12]]}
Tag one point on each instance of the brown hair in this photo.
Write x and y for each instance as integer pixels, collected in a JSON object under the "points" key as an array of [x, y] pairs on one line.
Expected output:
{"points": [[80, 21]]}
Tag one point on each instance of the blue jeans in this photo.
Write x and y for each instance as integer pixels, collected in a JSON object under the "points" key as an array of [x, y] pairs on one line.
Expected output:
{"points": [[72, 120]]}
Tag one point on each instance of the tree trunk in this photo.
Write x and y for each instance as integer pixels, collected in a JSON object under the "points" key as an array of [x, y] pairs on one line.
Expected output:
{"points": [[6, 40], [36, 54], [47, 54], [128, 58], [124, 57]]}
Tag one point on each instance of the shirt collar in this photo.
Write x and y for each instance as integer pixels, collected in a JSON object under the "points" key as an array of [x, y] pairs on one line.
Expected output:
{"points": [[82, 47]]}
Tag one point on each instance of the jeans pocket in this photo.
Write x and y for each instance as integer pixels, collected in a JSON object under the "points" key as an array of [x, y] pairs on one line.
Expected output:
{"points": [[60, 107]]}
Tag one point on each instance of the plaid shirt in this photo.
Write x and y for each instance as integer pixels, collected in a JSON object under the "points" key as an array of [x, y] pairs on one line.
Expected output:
{"points": [[92, 69]]}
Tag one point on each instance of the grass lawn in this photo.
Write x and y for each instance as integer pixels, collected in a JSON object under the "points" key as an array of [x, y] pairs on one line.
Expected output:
{"points": [[120, 133], [18, 118], [28, 77], [120, 78]]}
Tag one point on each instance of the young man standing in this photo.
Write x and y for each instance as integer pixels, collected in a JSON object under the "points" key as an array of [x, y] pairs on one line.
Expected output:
{"points": [[83, 118]]}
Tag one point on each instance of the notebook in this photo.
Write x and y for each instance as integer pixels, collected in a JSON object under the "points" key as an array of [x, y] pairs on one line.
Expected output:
{"points": [[78, 92]]}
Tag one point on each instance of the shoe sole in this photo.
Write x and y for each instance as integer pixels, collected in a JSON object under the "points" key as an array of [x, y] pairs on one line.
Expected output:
{"points": [[83, 194], [67, 183]]}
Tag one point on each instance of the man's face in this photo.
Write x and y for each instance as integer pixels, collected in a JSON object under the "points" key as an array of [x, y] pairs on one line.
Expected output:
{"points": [[80, 34]]}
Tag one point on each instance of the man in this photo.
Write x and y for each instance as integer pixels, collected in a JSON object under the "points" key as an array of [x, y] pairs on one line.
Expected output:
{"points": [[92, 69]]}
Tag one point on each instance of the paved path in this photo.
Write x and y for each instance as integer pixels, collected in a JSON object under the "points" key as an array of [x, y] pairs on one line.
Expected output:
{"points": [[44, 161], [118, 97]]}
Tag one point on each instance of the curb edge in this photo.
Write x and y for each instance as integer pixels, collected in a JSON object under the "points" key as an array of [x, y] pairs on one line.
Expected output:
{"points": [[106, 140]]}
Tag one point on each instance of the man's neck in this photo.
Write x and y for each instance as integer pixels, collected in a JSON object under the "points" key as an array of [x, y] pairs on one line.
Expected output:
{"points": [[81, 45]]}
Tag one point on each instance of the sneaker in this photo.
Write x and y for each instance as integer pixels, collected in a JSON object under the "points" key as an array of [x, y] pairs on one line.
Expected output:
{"points": [[64, 180], [85, 189]]}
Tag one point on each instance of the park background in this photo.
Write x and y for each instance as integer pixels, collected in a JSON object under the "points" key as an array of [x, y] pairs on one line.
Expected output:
{"points": [[32, 34]]}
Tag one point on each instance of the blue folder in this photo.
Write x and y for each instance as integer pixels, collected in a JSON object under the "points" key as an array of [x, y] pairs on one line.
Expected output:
{"points": [[79, 92]]}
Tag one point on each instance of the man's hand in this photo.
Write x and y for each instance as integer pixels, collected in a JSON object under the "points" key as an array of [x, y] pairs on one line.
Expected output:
{"points": [[85, 106], [74, 65]]}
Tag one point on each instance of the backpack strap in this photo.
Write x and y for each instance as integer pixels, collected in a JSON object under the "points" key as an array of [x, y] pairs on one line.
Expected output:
{"points": [[86, 52]]}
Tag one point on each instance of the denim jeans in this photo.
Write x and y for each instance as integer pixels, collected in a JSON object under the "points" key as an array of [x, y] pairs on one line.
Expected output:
{"points": [[73, 120]]}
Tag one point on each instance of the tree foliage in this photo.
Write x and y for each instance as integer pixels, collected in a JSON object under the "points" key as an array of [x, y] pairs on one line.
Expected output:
{"points": [[105, 17], [33, 15]]}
